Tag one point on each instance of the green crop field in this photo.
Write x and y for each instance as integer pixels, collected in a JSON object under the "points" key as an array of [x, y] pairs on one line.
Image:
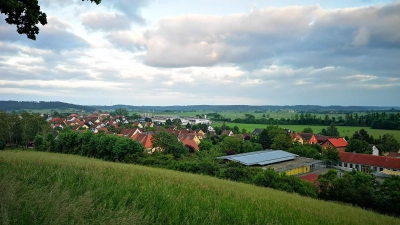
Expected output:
{"points": [[49, 188], [241, 114], [343, 130]]}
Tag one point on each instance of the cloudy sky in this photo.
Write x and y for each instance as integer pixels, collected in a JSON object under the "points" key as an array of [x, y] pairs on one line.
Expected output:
{"points": [[176, 52]]}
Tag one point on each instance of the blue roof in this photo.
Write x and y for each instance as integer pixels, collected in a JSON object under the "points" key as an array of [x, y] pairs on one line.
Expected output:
{"points": [[261, 158]]}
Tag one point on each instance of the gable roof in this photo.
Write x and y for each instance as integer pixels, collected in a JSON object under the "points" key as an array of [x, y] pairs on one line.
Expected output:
{"points": [[191, 143], [144, 139], [227, 132], [337, 142], [394, 154], [306, 136], [321, 138], [103, 129], [370, 160]]}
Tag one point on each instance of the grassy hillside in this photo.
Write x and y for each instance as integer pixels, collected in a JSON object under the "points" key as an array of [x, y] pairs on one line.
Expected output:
{"points": [[343, 130], [48, 188]]}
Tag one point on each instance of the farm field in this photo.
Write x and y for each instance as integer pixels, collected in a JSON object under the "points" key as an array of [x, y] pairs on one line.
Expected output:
{"points": [[343, 130], [49, 188], [241, 114]]}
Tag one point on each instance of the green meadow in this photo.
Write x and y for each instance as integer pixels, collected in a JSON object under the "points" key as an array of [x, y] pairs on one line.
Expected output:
{"points": [[49, 188], [285, 114], [343, 130]]}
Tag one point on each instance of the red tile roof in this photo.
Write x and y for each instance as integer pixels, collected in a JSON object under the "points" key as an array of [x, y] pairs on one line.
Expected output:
{"points": [[370, 160], [103, 129], [144, 139], [338, 142], [191, 143], [310, 177]]}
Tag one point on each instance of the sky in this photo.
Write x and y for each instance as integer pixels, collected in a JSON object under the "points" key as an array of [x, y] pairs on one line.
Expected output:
{"points": [[212, 52]]}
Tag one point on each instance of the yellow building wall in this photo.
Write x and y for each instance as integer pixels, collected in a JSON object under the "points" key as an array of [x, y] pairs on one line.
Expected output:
{"points": [[391, 172], [298, 170]]}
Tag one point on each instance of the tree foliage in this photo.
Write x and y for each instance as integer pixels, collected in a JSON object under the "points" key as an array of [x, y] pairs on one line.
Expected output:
{"points": [[121, 112], [26, 15], [308, 130], [388, 143], [169, 143], [361, 189], [231, 143], [358, 146], [330, 131], [264, 139]]}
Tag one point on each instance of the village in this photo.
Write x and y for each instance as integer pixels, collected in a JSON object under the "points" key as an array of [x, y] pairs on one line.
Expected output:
{"points": [[143, 129]]}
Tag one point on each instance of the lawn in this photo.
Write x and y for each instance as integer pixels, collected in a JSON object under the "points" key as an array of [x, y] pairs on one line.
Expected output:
{"points": [[49, 188], [343, 130]]}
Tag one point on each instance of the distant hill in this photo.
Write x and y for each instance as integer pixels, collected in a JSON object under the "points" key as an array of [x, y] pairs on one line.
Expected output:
{"points": [[306, 108], [25, 105], [31, 105]]}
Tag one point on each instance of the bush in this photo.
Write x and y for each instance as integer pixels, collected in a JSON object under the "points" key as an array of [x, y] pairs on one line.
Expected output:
{"points": [[2, 145], [230, 152]]}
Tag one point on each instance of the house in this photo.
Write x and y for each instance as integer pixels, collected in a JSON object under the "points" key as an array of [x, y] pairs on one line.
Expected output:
{"points": [[339, 143], [375, 150], [190, 136], [191, 143], [104, 114], [227, 132], [200, 133], [101, 129], [296, 137], [321, 138], [393, 154], [129, 132], [210, 129], [308, 138], [149, 124], [367, 163], [257, 131], [145, 140], [137, 124]]}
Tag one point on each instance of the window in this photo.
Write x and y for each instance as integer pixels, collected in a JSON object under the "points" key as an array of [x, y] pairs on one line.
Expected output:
{"points": [[381, 169], [351, 165], [345, 164]]}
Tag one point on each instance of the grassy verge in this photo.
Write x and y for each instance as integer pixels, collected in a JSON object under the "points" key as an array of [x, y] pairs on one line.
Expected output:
{"points": [[48, 188], [343, 130]]}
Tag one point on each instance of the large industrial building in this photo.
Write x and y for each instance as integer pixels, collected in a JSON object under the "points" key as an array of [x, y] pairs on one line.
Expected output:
{"points": [[279, 160]]}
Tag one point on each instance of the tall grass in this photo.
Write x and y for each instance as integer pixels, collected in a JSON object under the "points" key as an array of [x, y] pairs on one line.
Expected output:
{"points": [[48, 188]]}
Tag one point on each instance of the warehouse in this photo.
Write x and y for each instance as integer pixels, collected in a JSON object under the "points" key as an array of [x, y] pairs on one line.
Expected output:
{"points": [[279, 160]]}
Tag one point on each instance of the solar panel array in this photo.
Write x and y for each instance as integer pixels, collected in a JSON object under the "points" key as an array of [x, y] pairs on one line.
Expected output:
{"points": [[261, 158]]}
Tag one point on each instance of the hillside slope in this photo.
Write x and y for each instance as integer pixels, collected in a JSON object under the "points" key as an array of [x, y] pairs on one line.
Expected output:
{"points": [[25, 105], [48, 188]]}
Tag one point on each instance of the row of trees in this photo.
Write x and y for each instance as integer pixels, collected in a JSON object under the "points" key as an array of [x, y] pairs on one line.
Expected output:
{"points": [[21, 129], [375, 120], [101, 146], [361, 142]]}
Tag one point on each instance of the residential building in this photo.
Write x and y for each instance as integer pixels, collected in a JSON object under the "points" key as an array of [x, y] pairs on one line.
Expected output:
{"points": [[369, 163], [339, 143]]}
